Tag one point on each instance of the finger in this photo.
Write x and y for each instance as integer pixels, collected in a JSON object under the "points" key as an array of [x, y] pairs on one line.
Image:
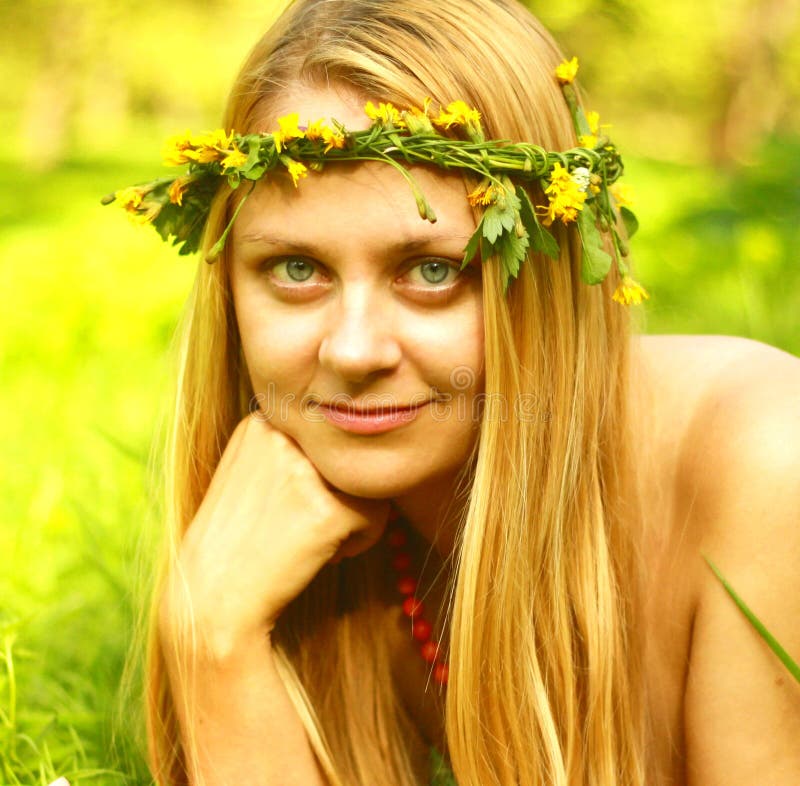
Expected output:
{"points": [[359, 542]]}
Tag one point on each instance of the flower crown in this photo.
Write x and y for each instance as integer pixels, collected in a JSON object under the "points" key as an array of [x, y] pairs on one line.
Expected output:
{"points": [[580, 185]]}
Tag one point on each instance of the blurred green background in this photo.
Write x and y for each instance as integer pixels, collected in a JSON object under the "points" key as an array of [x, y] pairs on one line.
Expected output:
{"points": [[703, 98]]}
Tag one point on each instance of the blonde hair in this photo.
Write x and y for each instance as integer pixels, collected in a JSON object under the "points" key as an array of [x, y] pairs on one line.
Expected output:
{"points": [[547, 683]]}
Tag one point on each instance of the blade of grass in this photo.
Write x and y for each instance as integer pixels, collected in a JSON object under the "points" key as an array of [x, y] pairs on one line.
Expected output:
{"points": [[773, 643]]}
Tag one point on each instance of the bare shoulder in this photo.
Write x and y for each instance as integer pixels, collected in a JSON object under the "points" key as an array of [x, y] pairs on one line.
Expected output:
{"points": [[740, 443], [737, 483]]}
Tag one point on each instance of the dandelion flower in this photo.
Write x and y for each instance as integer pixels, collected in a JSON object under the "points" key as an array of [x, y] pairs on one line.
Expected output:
{"points": [[297, 171], [387, 114], [177, 189], [629, 292], [129, 198], [565, 197], [622, 193], [179, 149], [484, 194], [287, 131], [458, 113], [567, 71], [234, 158], [332, 139]]}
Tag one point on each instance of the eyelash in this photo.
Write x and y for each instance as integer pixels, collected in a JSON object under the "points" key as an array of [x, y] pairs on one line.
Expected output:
{"points": [[271, 266]]}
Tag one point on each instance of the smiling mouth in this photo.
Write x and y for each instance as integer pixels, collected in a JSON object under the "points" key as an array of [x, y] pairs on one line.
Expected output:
{"points": [[380, 411]]}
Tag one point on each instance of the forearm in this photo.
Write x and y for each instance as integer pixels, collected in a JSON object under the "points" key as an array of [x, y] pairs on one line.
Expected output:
{"points": [[238, 724]]}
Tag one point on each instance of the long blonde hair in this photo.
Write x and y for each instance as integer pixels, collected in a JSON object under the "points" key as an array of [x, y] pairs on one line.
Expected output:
{"points": [[547, 682]]}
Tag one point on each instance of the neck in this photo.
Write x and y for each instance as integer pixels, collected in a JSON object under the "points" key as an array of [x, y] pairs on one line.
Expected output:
{"points": [[433, 511]]}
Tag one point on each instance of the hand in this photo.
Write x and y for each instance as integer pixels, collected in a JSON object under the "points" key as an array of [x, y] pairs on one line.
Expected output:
{"points": [[268, 523]]}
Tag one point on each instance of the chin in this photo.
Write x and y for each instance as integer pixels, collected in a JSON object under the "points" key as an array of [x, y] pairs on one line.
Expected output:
{"points": [[366, 487]]}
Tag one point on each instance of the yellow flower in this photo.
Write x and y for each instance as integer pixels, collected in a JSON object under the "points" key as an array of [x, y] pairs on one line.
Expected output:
{"points": [[458, 113], [629, 292], [567, 71], [129, 198], [234, 158], [296, 170], [332, 139], [315, 130], [565, 197], [179, 149], [590, 140], [185, 148], [622, 193], [216, 138], [387, 114], [417, 120], [484, 194], [146, 213], [177, 189], [288, 130]]}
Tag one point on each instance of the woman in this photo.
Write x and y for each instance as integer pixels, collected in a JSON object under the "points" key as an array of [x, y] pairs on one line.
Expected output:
{"points": [[551, 479]]}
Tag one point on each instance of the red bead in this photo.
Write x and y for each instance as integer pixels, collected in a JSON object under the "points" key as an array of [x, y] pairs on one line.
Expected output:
{"points": [[397, 538], [394, 514], [429, 651], [413, 607], [406, 585], [421, 630]]}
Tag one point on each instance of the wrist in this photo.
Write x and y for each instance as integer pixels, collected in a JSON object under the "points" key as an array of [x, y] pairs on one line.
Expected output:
{"points": [[209, 639]]}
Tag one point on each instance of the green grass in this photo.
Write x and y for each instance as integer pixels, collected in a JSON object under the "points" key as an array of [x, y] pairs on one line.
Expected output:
{"points": [[94, 302], [91, 303]]}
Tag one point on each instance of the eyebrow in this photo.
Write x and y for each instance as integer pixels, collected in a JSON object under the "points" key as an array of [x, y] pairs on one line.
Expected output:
{"points": [[403, 245]]}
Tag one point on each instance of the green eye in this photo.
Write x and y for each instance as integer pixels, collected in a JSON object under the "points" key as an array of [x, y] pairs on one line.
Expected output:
{"points": [[298, 269], [435, 271]]}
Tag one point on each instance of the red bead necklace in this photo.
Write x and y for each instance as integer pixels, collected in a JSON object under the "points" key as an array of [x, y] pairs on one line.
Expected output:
{"points": [[421, 628]]}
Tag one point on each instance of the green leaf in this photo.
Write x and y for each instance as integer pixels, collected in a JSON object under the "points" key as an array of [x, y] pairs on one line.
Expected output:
{"points": [[512, 251], [540, 239], [596, 261], [441, 774], [473, 245], [496, 219], [253, 154], [621, 244], [578, 117], [772, 642], [256, 172], [487, 249], [630, 221]]}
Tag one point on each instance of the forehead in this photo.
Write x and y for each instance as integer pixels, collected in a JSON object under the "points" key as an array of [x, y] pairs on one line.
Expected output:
{"points": [[333, 102], [363, 202], [362, 199]]}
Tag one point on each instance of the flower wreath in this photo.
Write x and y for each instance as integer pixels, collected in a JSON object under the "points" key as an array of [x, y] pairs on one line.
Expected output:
{"points": [[580, 185]]}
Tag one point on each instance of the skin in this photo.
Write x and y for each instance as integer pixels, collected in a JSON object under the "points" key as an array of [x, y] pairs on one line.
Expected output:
{"points": [[717, 428], [382, 317]]}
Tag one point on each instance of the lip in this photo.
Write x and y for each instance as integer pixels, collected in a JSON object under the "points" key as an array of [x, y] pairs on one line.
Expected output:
{"points": [[370, 421]]}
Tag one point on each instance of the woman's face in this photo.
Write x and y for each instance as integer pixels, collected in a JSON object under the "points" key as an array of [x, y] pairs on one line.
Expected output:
{"points": [[345, 297]]}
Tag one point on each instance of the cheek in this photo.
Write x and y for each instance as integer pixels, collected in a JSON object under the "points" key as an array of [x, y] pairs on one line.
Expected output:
{"points": [[278, 349], [452, 351]]}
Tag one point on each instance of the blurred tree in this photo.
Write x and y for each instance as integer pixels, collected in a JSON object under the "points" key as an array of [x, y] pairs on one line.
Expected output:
{"points": [[699, 82], [685, 81], [753, 101]]}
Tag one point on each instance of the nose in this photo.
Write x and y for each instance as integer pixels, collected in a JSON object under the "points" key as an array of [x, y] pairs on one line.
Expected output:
{"points": [[359, 340]]}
